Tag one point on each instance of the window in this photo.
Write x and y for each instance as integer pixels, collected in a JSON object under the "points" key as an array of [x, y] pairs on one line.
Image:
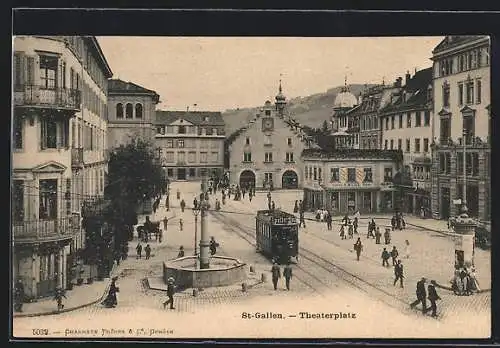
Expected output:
{"points": [[170, 143], [180, 143], [49, 133], [401, 121], [427, 118], [426, 144], [475, 164], [170, 172], [408, 149], [417, 145], [461, 93], [400, 144], [18, 132], [289, 141], [289, 157], [181, 129], [468, 128], [18, 200], [215, 157], [169, 156], [138, 110], [68, 194], [247, 141], [268, 141], [48, 72], [418, 119], [129, 110], [48, 199], [386, 142], [469, 92], [487, 56], [448, 163], [192, 130], [446, 95], [387, 123], [268, 177], [192, 157], [334, 174], [442, 163], [368, 175], [478, 91], [445, 130], [268, 112], [408, 120], [392, 121], [203, 157], [392, 144], [170, 129], [247, 157], [387, 174], [315, 172], [268, 157], [351, 174]]}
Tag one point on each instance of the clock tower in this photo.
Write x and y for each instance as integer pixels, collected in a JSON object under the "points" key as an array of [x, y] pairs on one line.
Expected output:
{"points": [[280, 102]]}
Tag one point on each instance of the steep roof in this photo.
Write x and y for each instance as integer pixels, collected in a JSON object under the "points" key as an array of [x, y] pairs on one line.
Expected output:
{"points": [[416, 88], [451, 41], [199, 118], [118, 86]]}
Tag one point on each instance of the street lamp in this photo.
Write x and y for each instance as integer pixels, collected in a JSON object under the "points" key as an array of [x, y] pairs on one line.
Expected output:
{"points": [[196, 212]]}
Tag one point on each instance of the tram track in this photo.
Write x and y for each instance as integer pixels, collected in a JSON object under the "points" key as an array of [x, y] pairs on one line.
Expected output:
{"points": [[247, 233]]}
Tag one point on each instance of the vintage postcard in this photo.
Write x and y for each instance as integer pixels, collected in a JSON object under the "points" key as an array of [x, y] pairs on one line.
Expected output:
{"points": [[251, 187]]}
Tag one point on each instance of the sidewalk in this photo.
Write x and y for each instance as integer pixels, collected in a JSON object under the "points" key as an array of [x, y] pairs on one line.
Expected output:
{"points": [[86, 294]]}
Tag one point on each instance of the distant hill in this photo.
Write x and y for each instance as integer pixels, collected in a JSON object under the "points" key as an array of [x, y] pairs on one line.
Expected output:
{"points": [[310, 110]]}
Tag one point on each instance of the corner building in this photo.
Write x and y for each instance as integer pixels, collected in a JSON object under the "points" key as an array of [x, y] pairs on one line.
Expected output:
{"points": [[266, 152], [59, 128], [461, 85]]}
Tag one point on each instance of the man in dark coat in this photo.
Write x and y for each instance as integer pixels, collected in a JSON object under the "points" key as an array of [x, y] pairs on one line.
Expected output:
{"points": [[394, 255], [329, 221], [147, 250], [276, 275], [138, 248], [421, 295], [385, 257], [433, 297], [18, 296], [170, 293], [287, 273], [398, 273], [302, 221]]}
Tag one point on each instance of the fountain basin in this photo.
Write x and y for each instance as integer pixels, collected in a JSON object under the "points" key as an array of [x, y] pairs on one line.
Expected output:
{"points": [[223, 271]]}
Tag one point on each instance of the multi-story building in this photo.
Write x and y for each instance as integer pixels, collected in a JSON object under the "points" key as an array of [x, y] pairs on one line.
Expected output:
{"points": [[266, 153], [369, 104], [131, 112], [59, 127], [345, 124], [461, 85], [346, 180], [191, 143], [406, 126]]}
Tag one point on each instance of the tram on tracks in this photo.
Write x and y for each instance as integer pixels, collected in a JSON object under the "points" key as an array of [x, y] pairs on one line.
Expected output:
{"points": [[277, 235]]}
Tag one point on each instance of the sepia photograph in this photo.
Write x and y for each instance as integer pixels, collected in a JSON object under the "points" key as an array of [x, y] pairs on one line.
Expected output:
{"points": [[184, 187]]}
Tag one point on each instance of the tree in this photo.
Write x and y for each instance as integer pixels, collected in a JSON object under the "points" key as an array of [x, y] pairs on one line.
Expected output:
{"points": [[134, 176]]}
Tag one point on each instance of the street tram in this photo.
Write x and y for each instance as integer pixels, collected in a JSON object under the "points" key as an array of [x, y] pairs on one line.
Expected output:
{"points": [[276, 234]]}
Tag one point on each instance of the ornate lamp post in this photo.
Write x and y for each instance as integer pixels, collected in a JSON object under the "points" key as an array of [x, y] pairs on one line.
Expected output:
{"points": [[196, 212]]}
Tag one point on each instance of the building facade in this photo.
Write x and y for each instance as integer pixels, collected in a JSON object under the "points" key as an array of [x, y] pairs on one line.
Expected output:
{"points": [[461, 88], [406, 123], [346, 180], [58, 140], [266, 153], [131, 112], [191, 143], [345, 124]]}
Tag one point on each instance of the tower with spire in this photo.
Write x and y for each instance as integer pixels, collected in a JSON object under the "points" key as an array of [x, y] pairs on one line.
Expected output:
{"points": [[280, 101]]}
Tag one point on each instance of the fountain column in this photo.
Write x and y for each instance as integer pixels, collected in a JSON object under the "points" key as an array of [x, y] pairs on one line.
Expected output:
{"points": [[204, 243]]}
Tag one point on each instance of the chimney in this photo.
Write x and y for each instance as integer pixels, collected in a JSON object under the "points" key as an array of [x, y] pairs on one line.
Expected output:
{"points": [[408, 76], [398, 82]]}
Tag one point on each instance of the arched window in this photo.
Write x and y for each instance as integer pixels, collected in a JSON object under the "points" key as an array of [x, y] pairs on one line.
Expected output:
{"points": [[129, 110], [119, 110], [138, 110]]}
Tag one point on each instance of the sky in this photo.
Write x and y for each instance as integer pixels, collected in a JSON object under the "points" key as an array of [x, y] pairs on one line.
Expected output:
{"points": [[219, 73]]}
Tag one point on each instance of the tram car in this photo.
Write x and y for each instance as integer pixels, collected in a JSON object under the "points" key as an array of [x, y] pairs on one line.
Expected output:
{"points": [[277, 235]]}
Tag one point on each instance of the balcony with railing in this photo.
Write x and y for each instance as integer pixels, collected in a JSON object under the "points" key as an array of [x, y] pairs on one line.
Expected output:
{"points": [[44, 230], [32, 95], [77, 158]]}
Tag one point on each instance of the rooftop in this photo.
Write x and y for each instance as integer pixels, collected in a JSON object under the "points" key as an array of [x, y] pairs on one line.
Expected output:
{"points": [[452, 41], [118, 86], [345, 154], [199, 118]]}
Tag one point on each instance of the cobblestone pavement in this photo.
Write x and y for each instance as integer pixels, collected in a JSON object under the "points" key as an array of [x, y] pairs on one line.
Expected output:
{"points": [[139, 305]]}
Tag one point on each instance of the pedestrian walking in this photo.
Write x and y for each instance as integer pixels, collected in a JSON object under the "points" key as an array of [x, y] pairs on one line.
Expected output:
{"points": [[346, 220], [165, 223], [371, 227], [407, 249], [387, 236], [287, 273], [18, 296], [394, 255], [273, 205], [350, 231], [342, 232], [181, 252], [355, 225], [433, 297], [160, 236], [302, 221], [181, 224], [276, 274], [398, 273], [183, 205], [421, 295], [58, 297], [195, 203], [378, 235], [170, 293], [329, 221], [358, 247], [385, 257], [296, 207], [393, 222], [147, 250], [138, 249]]}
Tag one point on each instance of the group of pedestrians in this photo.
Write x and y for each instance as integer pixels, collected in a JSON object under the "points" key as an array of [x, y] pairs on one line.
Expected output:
{"points": [[423, 296], [276, 275]]}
